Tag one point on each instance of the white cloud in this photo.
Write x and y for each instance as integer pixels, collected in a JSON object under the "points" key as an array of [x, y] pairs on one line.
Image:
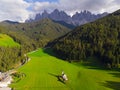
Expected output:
{"points": [[15, 10], [71, 6], [41, 6]]}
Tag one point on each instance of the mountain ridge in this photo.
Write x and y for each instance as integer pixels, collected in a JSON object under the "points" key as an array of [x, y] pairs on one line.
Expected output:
{"points": [[40, 30], [76, 20]]}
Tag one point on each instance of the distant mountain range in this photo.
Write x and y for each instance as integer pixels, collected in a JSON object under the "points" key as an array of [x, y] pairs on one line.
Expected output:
{"points": [[76, 20], [9, 22]]}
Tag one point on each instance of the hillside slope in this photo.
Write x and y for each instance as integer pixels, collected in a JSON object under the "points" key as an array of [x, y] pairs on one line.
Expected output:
{"points": [[10, 53], [44, 28], [18, 36], [40, 31], [6, 40], [100, 38], [30, 36]]}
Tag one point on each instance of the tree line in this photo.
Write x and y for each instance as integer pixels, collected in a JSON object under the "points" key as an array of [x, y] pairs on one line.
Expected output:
{"points": [[10, 57]]}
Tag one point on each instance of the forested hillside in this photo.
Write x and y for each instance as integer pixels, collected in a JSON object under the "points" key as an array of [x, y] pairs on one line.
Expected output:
{"points": [[29, 36], [40, 31], [10, 53], [18, 37], [100, 39]]}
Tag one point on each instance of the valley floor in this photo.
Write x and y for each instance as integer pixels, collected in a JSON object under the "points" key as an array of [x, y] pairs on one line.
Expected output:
{"points": [[42, 71]]}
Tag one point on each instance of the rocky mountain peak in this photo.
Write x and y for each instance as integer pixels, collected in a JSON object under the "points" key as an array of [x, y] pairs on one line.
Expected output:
{"points": [[77, 19]]}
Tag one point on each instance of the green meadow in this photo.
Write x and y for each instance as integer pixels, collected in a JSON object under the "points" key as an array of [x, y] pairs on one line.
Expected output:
{"points": [[42, 71], [6, 40]]}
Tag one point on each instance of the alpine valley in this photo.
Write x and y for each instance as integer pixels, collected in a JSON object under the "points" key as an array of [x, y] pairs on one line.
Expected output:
{"points": [[85, 47]]}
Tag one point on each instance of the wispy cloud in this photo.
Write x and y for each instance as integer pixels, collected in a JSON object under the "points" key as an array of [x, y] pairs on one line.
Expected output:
{"points": [[71, 6], [14, 10]]}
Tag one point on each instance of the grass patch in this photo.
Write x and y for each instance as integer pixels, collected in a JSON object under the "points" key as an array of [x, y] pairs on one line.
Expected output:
{"points": [[6, 40], [42, 71]]}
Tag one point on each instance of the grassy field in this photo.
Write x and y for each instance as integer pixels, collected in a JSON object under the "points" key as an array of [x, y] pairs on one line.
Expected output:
{"points": [[5, 40], [42, 70]]}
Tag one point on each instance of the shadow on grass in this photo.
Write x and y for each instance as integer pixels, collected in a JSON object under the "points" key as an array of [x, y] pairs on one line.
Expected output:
{"points": [[90, 62], [58, 77], [100, 66], [116, 74], [50, 52], [93, 63], [113, 85]]}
